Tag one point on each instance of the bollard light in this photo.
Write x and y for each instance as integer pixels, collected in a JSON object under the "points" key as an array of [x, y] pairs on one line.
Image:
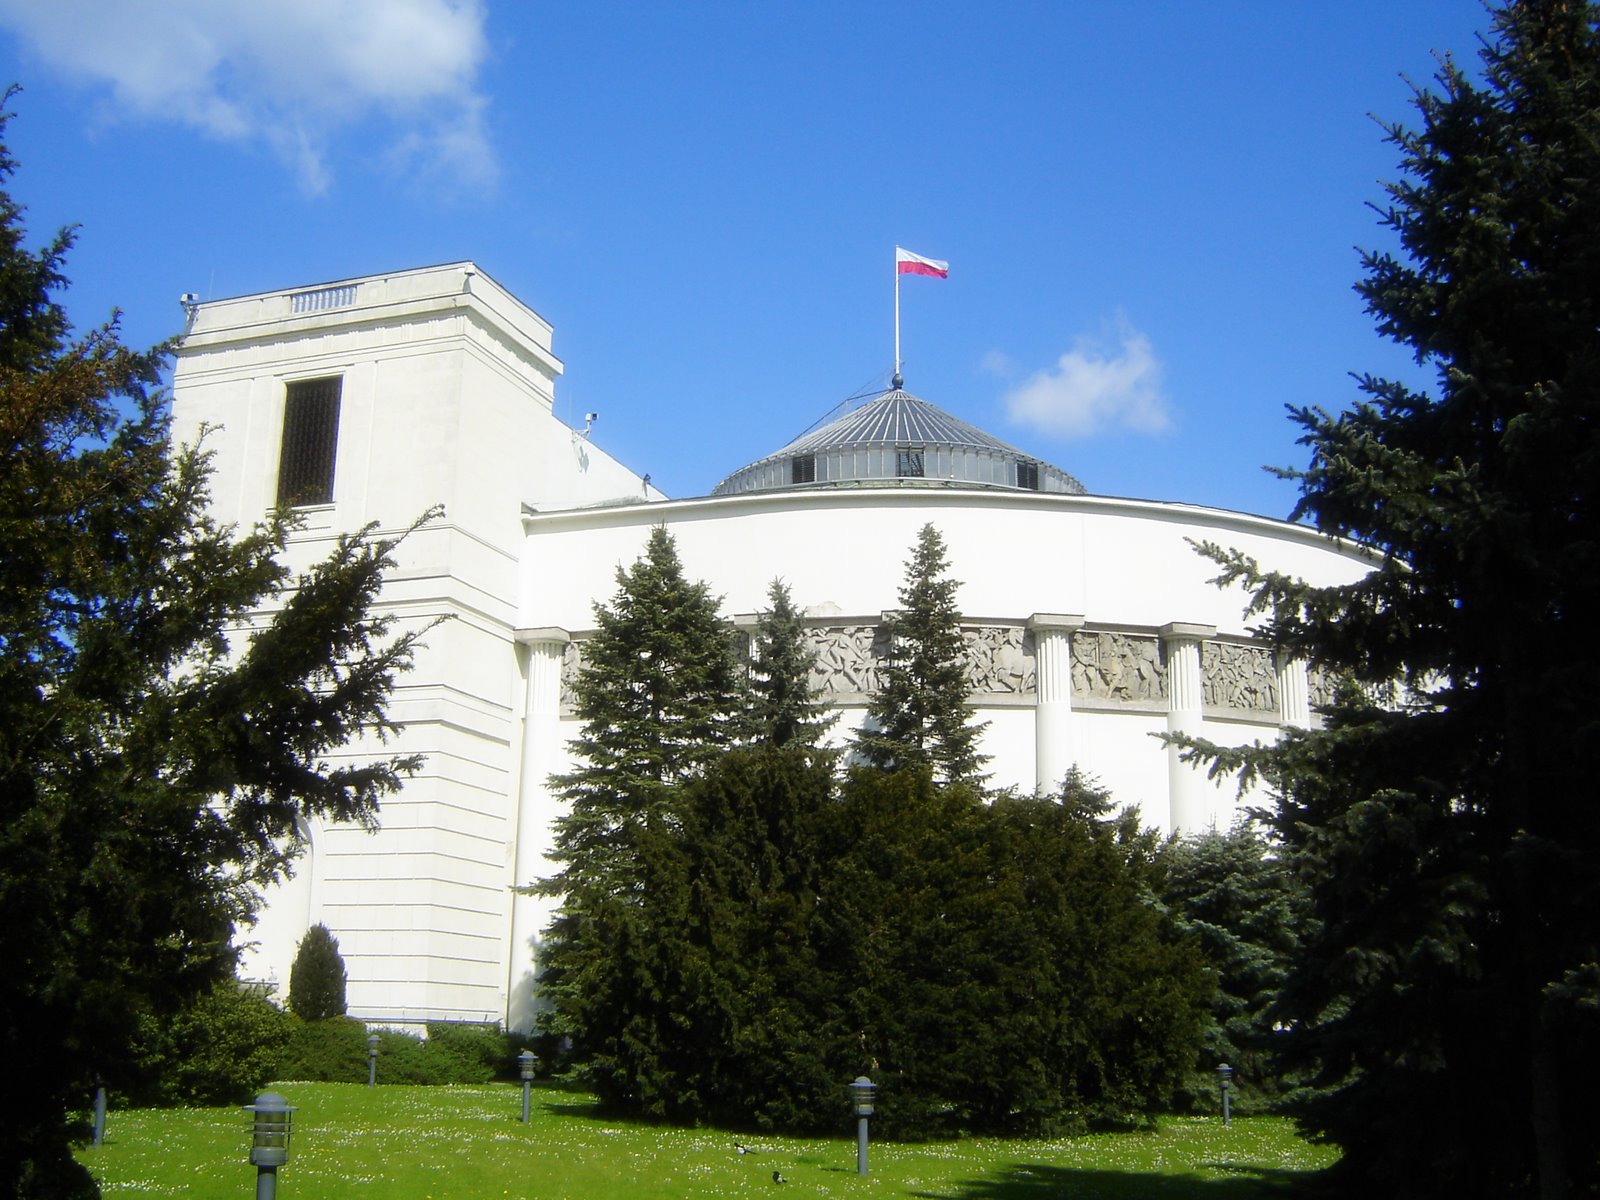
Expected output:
{"points": [[269, 1141], [1225, 1085], [525, 1065], [99, 1113], [862, 1091], [372, 1060]]}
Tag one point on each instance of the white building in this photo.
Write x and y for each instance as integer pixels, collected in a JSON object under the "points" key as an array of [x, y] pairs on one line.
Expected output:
{"points": [[1090, 620]]}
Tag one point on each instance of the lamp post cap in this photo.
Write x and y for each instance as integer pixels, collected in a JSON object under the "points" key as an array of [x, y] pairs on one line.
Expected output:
{"points": [[270, 1102]]}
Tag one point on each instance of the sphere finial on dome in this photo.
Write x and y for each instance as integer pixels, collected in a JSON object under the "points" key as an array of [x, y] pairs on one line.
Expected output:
{"points": [[897, 381]]}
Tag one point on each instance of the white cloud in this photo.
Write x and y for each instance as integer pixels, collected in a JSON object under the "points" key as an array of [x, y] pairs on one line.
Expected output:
{"points": [[1096, 387], [289, 73]]}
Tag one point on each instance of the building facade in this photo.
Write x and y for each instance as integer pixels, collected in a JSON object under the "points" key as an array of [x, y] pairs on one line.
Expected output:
{"points": [[1090, 623]]}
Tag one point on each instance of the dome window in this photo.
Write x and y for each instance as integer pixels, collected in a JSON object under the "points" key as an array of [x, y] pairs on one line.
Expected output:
{"points": [[908, 462]]}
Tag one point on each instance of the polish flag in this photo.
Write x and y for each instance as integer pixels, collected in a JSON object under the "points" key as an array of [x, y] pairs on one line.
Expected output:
{"points": [[907, 263]]}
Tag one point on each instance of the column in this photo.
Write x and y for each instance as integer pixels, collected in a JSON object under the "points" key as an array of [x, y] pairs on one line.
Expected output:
{"points": [[1294, 692], [536, 808], [1055, 748], [1188, 787]]}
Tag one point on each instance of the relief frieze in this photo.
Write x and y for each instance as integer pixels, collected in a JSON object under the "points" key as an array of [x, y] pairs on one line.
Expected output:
{"points": [[1239, 677], [1000, 660], [849, 658], [1117, 668]]}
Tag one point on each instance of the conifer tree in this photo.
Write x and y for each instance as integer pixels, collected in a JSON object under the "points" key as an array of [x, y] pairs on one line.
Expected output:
{"points": [[1248, 912], [317, 977], [661, 695], [1001, 968], [160, 737], [1449, 833], [783, 710], [919, 716]]}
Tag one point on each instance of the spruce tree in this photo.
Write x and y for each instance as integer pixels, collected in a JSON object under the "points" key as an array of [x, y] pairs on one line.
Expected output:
{"points": [[661, 695], [1444, 817], [919, 716], [172, 703], [783, 710], [317, 978], [1247, 910]]}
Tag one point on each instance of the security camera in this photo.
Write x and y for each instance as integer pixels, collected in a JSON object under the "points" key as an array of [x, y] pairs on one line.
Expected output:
{"points": [[189, 299], [590, 418]]}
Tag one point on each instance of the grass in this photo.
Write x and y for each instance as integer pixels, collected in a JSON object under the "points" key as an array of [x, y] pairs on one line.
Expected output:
{"points": [[467, 1143]]}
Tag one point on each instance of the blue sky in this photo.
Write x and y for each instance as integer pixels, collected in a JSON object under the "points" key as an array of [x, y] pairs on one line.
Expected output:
{"points": [[1151, 209]]}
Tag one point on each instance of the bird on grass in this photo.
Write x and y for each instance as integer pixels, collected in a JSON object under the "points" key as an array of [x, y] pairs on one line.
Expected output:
{"points": [[777, 1177]]}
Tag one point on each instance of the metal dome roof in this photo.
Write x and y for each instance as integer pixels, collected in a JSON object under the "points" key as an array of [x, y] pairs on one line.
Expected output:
{"points": [[899, 437]]}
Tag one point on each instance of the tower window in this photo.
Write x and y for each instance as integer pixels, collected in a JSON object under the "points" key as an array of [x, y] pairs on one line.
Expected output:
{"points": [[908, 462], [803, 469], [1028, 475], [310, 441]]}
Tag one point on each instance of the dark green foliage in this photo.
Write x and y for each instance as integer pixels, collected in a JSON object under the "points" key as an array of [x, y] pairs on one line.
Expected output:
{"points": [[661, 694], [751, 834], [919, 717], [1002, 968], [1450, 836], [481, 1052], [220, 1049], [154, 759], [997, 968], [690, 1013], [317, 978], [782, 708], [331, 1051], [1248, 912], [335, 1051]]}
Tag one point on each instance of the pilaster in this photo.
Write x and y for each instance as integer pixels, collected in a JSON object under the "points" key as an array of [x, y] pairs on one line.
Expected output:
{"points": [[1190, 808], [1055, 748], [542, 650]]}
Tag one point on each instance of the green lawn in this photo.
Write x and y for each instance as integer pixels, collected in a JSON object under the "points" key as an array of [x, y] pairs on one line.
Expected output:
{"points": [[466, 1143]]}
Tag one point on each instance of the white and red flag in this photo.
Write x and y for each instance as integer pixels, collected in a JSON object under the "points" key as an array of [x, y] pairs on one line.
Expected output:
{"points": [[907, 263]]}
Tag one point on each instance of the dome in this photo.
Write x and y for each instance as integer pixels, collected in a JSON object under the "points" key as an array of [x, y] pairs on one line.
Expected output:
{"points": [[902, 438]]}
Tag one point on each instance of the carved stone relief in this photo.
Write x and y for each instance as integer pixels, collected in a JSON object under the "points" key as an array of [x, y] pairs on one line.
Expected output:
{"points": [[1000, 660], [1235, 676], [571, 664], [1320, 686], [1107, 668], [848, 658], [1117, 667]]}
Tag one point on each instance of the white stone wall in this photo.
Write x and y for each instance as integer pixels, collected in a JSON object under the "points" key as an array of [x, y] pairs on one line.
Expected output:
{"points": [[1116, 565], [448, 399]]}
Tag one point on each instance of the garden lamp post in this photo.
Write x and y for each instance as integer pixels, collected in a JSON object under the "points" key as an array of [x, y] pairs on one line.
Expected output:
{"points": [[861, 1094], [525, 1063], [269, 1141], [372, 1060], [1225, 1085], [99, 1112]]}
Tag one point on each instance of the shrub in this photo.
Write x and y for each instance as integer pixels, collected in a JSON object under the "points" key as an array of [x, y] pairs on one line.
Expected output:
{"points": [[335, 1051], [219, 1050], [481, 1052], [317, 979], [330, 1051]]}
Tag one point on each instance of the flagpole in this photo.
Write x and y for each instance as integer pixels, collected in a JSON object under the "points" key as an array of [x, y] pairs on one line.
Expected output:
{"points": [[896, 379]]}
